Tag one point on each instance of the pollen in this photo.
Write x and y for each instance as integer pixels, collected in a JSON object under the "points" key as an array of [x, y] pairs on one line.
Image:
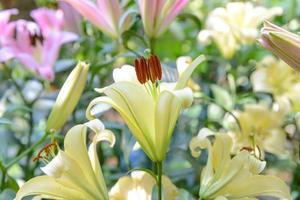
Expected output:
{"points": [[148, 69]]}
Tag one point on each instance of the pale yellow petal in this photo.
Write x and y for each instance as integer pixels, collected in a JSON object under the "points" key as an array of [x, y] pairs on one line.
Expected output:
{"points": [[101, 134], [75, 147], [167, 112], [185, 76], [182, 63], [221, 153], [136, 107], [125, 73], [47, 187], [139, 187], [231, 171], [200, 142], [261, 185], [67, 172], [185, 96], [131, 123]]}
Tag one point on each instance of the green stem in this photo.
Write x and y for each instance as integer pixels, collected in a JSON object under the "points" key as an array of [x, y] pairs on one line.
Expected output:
{"points": [[27, 151], [4, 171], [152, 42], [159, 172], [29, 141]]}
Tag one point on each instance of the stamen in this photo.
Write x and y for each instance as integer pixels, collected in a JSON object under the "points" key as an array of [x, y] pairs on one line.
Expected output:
{"points": [[36, 37], [148, 69], [46, 152], [249, 149]]}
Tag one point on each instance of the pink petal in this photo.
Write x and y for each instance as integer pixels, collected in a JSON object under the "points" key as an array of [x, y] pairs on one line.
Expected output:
{"points": [[172, 13], [111, 11], [72, 17], [50, 50], [5, 16], [148, 11], [91, 12], [46, 72], [68, 37], [48, 19]]}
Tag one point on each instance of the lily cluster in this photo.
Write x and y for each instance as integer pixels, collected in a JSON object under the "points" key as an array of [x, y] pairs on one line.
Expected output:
{"points": [[75, 172], [274, 76], [235, 25], [35, 45]]}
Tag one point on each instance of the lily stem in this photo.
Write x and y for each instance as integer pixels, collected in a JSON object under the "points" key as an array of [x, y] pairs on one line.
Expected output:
{"points": [[27, 151], [159, 172], [152, 42]]}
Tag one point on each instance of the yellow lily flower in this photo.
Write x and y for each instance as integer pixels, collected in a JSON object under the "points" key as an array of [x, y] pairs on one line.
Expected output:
{"points": [[75, 173], [149, 108], [260, 129], [276, 77], [234, 25], [238, 177], [139, 187], [68, 97]]}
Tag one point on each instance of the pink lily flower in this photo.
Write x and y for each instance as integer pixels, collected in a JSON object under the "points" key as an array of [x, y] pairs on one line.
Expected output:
{"points": [[157, 15], [4, 20], [36, 45], [107, 15]]}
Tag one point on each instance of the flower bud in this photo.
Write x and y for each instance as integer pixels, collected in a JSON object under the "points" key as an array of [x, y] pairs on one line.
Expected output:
{"points": [[68, 97], [282, 43]]}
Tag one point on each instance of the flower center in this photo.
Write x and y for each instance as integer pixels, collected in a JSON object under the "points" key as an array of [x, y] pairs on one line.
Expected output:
{"points": [[255, 151], [34, 33], [47, 152]]}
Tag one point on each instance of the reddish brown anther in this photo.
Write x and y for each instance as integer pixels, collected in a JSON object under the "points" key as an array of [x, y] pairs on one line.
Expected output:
{"points": [[148, 69], [45, 151]]}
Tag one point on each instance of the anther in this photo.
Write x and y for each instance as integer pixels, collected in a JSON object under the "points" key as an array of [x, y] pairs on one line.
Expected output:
{"points": [[45, 152], [148, 69], [36, 37]]}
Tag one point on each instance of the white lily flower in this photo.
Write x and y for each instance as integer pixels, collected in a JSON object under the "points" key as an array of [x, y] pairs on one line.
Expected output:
{"points": [[149, 108], [139, 186], [75, 173], [233, 178], [260, 128], [235, 24]]}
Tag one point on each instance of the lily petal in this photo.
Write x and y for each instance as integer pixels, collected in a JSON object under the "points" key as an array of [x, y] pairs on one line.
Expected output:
{"points": [[75, 147], [48, 187], [127, 98], [261, 186], [90, 11], [185, 76], [167, 111]]}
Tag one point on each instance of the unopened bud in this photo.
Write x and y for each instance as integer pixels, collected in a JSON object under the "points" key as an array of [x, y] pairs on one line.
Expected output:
{"points": [[68, 97]]}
